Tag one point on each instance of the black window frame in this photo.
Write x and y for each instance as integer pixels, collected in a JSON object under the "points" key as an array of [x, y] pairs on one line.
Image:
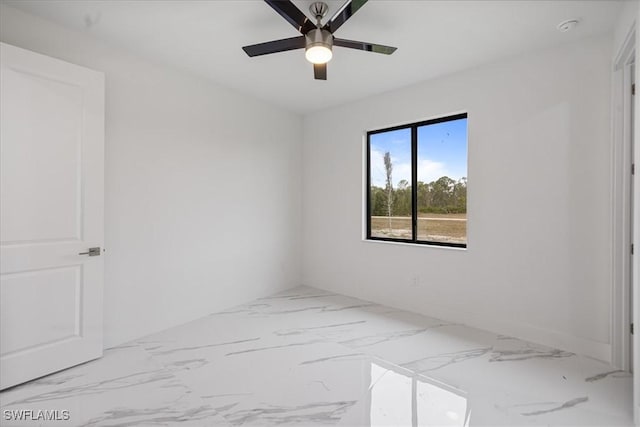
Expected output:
{"points": [[414, 181]]}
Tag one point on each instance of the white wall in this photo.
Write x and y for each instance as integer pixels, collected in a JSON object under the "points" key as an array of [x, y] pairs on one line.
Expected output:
{"points": [[202, 187], [538, 260]]}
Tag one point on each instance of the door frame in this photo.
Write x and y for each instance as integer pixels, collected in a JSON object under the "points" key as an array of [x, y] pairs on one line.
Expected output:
{"points": [[621, 221]]}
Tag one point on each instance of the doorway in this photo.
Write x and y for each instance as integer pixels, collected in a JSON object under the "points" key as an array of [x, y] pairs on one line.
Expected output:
{"points": [[623, 208], [631, 88]]}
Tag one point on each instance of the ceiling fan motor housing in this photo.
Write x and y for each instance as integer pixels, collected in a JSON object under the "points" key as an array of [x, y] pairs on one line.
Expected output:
{"points": [[319, 37]]}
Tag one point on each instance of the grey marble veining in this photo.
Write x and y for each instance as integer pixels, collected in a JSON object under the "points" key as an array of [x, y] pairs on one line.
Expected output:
{"points": [[526, 354], [432, 363], [569, 404], [617, 372], [308, 357], [99, 387], [158, 350], [124, 417], [274, 347], [311, 413], [297, 331], [337, 357], [380, 338]]}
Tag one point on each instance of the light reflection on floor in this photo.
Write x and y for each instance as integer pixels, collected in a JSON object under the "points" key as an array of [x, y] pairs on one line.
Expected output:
{"points": [[399, 397]]}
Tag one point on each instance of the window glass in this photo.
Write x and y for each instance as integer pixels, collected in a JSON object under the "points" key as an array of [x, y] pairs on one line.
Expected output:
{"points": [[442, 182], [390, 189]]}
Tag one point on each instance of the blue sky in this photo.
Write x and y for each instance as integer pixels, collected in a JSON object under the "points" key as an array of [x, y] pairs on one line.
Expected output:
{"points": [[442, 150]]}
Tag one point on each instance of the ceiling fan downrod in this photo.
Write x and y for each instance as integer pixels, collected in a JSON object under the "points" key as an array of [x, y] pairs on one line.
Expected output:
{"points": [[319, 9]]}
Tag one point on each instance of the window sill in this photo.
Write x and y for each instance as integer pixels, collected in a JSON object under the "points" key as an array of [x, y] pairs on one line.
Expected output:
{"points": [[411, 244]]}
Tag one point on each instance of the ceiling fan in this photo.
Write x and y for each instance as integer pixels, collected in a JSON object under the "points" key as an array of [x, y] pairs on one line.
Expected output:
{"points": [[317, 39]]}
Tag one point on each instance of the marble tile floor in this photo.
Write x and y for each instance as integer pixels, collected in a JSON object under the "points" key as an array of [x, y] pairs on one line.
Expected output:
{"points": [[307, 357]]}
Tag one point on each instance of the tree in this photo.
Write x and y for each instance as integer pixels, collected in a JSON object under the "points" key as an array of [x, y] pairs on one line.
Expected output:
{"points": [[460, 195], [443, 193], [378, 201], [388, 167], [402, 199]]}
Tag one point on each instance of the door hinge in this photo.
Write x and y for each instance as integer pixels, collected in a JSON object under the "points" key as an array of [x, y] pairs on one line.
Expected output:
{"points": [[631, 328], [633, 89], [633, 168], [632, 249]]}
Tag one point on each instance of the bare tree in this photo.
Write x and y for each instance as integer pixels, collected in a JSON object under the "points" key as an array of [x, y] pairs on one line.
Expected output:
{"points": [[389, 168]]}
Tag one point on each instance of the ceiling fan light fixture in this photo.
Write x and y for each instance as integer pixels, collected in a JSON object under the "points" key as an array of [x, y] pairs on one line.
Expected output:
{"points": [[319, 46], [318, 54]]}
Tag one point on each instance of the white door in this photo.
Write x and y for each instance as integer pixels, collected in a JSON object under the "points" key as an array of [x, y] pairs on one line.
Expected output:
{"points": [[51, 210]]}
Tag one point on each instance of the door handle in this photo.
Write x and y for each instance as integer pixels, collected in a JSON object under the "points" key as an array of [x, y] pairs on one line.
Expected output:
{"points": [[92, 252]]}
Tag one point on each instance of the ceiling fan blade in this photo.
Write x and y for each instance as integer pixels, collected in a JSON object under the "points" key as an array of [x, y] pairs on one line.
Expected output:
{"points": [[292, 14], [345, 12], [369, 47], [320, 71], [275, 46]]}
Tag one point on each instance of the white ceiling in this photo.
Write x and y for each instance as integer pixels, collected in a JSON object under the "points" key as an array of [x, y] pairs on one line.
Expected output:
{"points": [[433, 38]]}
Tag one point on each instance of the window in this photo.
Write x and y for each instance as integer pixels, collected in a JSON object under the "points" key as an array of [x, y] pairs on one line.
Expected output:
{"points": [[417, 182]]}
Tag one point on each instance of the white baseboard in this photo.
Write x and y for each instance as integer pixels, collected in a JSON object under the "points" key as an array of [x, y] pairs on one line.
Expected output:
{"points": [[554, 339], [561, 341]]}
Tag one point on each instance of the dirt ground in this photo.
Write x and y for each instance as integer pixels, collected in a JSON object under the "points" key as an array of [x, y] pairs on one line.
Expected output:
{"points": [[450, 228]]}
